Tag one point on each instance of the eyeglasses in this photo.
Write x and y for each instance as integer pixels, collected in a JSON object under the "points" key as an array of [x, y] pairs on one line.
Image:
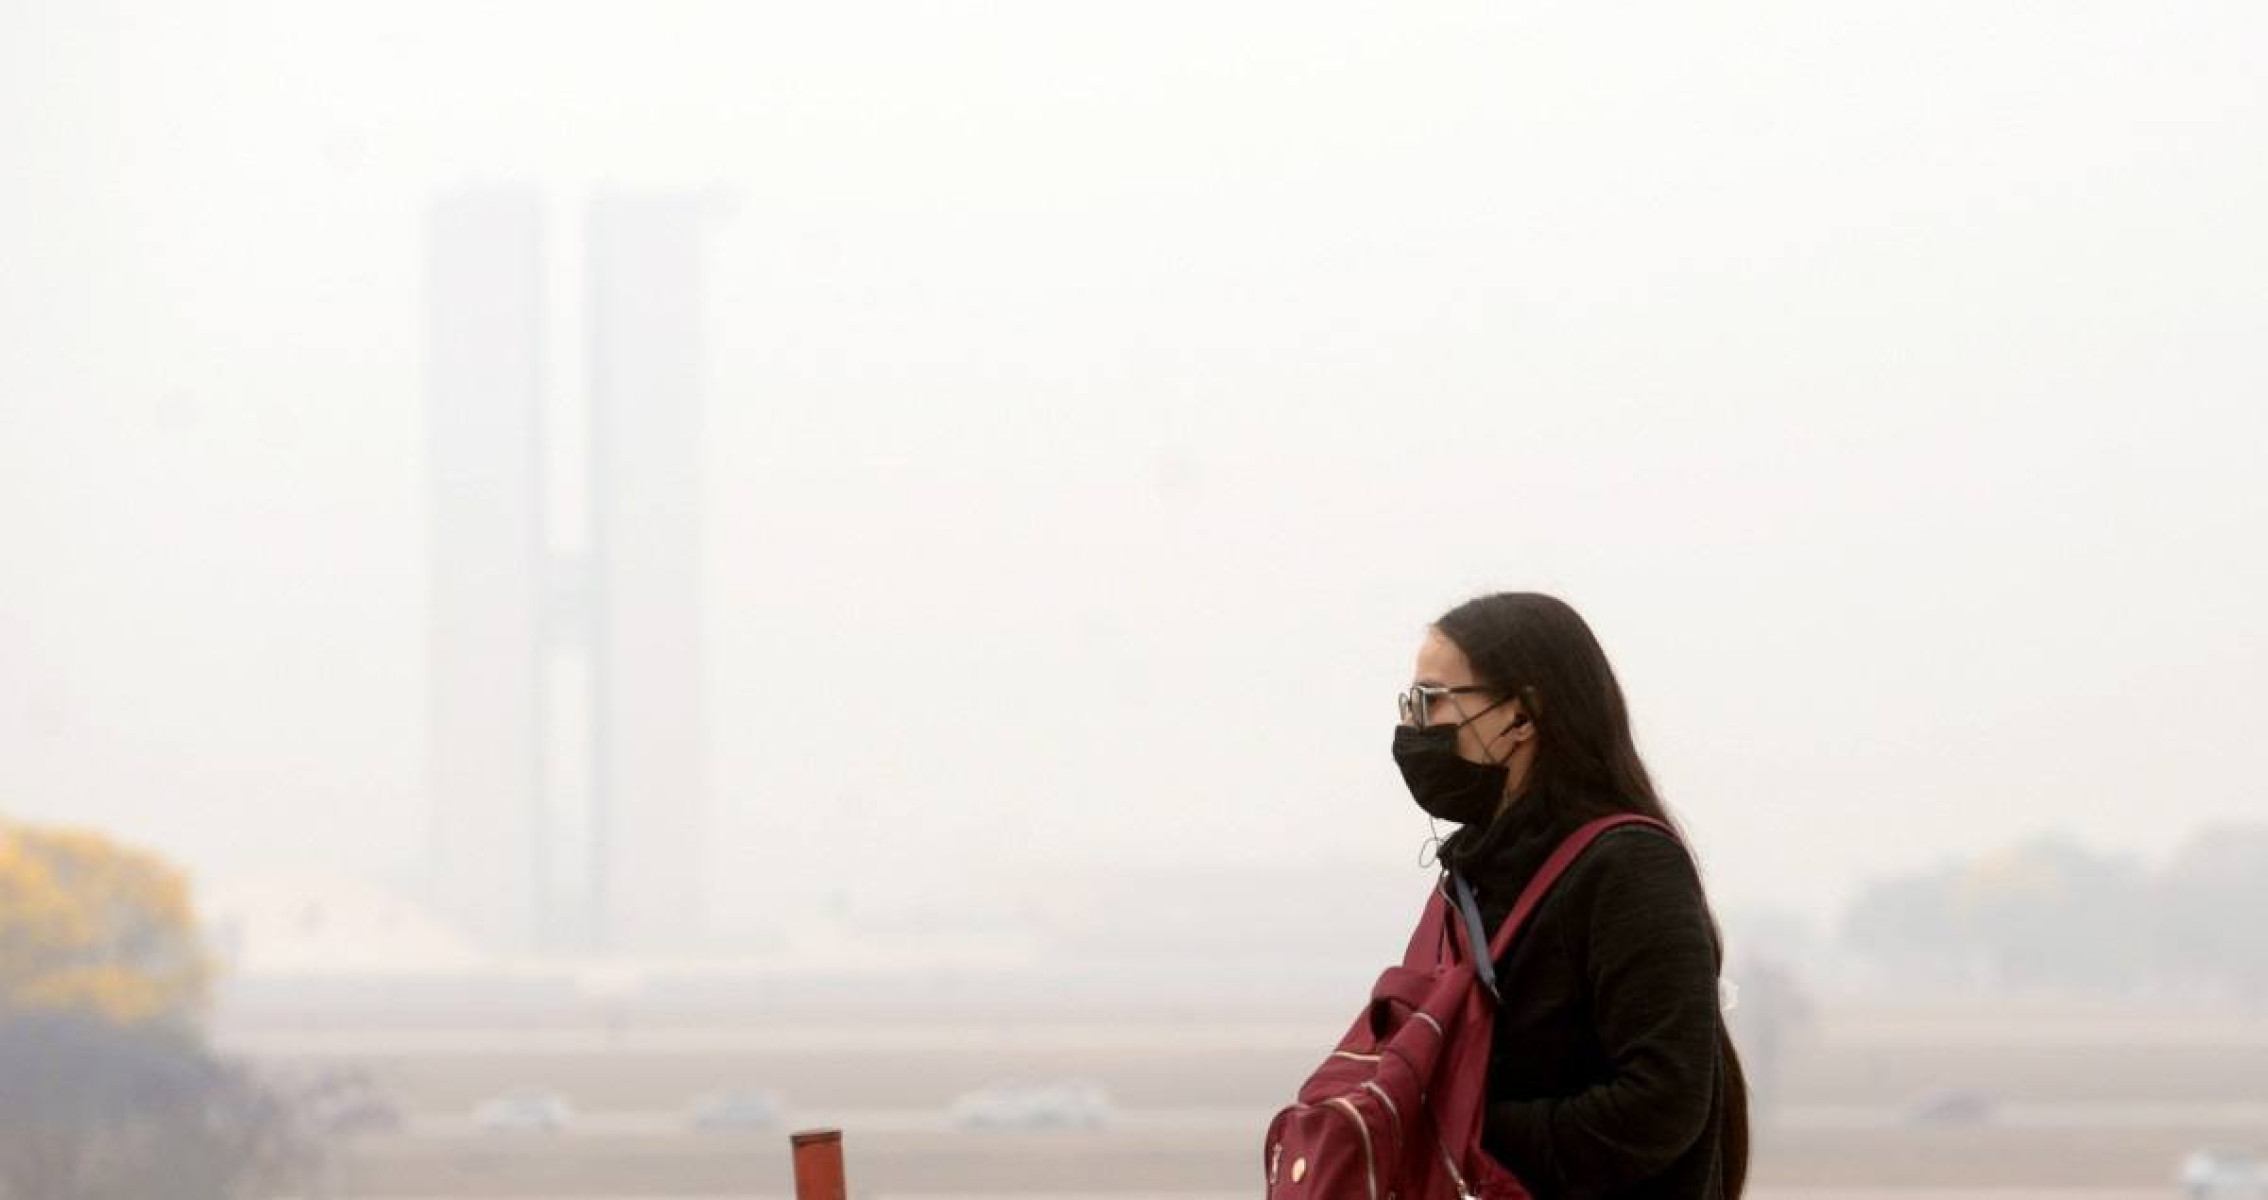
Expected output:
{"points": [[1416, 704]]}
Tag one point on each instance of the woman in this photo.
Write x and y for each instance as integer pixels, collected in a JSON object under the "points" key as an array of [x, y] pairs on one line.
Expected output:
{"points": [[1611, 1072]]}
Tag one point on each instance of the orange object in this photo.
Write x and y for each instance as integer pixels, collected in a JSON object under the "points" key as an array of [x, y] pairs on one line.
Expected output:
{"points": [[819, 1165]]}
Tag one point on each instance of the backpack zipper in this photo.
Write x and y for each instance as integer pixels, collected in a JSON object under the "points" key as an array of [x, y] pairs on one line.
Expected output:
{"points": [[1369, 1155], [1392, 1109], [1447, 1160], [1455, 1176]]}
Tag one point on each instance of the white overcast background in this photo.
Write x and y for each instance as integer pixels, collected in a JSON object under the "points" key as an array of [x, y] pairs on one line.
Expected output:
{"points": [[1103, 398]]}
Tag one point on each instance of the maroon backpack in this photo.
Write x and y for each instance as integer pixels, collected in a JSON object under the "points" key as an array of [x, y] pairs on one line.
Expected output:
{"points": [[1395, 1112]]}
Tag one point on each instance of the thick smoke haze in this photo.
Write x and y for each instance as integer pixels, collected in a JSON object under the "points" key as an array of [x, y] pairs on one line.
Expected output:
{"points": [[1099, 404]]}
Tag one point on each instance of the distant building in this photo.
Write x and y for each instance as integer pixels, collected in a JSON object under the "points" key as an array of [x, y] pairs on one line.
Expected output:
{"points": [[524, 642]]}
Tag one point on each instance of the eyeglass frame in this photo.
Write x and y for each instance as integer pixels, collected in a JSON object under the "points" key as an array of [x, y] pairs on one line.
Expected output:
{"points": [[1415, 703]]}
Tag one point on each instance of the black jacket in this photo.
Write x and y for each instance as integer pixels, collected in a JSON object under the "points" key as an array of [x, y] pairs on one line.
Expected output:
{"points": [[1604, 1077]]}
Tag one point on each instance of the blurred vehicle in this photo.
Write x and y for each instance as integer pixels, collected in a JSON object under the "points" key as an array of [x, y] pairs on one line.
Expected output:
{"points": [[2211, 1174], [735, 1109], [524, 1110], [1033, 1106], [1952, 1106], [357, 1112], [346, 1103]]}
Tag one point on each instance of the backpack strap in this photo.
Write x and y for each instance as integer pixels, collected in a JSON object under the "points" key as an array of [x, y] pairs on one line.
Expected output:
{"points": [[1538, 887]]}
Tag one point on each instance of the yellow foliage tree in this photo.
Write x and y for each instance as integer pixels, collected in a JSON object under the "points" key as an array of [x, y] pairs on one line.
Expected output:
{"points": [[89, 925]]}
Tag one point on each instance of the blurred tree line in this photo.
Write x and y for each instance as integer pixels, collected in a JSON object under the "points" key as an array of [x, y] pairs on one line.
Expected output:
{"points": [[108, 1090], [2050, 914]]}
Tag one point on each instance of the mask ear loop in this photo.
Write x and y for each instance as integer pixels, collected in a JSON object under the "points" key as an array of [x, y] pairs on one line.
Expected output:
{"points": [[1517, 723], [1519, 719]]}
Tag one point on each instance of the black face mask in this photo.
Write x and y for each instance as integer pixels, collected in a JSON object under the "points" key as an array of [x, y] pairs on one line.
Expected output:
{"points": [[1444, 783]]}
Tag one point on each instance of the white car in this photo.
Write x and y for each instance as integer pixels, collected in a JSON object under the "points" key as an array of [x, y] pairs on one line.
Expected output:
{"points": [[524, 1110], [1033, 1106], [2221, 1175]]}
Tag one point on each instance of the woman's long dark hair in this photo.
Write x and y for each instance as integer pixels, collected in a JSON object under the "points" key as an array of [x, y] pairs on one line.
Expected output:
{"points": [[1586, 765]]}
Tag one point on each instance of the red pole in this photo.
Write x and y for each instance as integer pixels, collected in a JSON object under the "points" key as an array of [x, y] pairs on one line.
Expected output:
{"points": [[819, 1165]]}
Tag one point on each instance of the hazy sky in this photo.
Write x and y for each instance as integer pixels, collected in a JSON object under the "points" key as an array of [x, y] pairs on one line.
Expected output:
{"points": [[1103, 399]]}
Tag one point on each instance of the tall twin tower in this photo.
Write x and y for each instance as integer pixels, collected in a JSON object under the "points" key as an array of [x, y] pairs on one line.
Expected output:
{"points": [[566, 753]]}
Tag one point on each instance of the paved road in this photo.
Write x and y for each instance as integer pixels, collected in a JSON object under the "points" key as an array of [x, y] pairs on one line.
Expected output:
{"points": [[2073, 1115], [1295, 1033], [1809, 1193]]}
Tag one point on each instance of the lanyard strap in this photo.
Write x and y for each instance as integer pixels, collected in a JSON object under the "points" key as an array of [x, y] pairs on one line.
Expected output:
{"points": [[1476, 936]]}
